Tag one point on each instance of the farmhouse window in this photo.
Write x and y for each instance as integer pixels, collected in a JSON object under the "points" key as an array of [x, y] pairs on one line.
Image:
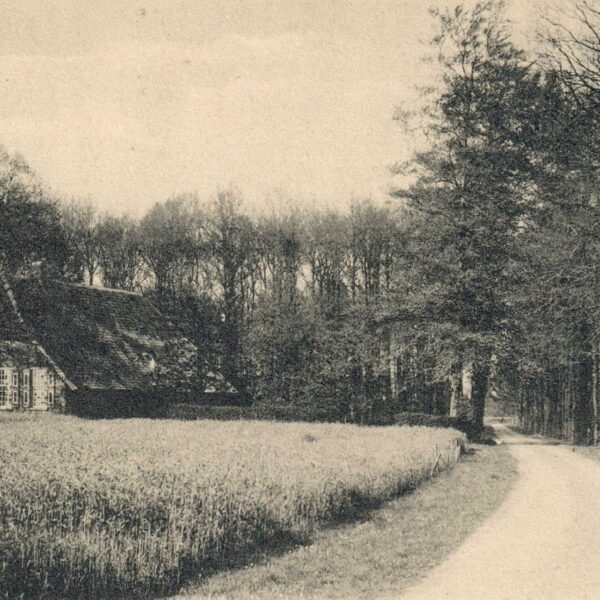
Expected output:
{"points": [[4, 380], [50, 382], [14, 392], [25, 391]]}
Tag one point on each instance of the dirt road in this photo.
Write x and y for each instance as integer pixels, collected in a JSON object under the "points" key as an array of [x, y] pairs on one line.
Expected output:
{"points": [[542, 544]]}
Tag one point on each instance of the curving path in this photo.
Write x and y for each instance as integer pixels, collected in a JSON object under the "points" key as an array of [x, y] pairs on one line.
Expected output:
{"points": [[542, 544]]}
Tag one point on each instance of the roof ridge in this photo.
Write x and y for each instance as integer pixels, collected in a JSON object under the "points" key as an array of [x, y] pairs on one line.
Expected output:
{"points": [[99, 288], [147, 300], [84, 286]]}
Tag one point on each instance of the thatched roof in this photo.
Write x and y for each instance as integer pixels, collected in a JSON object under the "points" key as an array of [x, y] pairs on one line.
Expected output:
{"points": [[100, 338]]}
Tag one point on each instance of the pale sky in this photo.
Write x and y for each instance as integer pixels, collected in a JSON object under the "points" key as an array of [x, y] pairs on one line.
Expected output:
{"points": [[130, 102]]}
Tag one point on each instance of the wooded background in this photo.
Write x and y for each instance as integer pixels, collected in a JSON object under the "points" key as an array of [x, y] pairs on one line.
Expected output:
{"points": [[479, 278]]}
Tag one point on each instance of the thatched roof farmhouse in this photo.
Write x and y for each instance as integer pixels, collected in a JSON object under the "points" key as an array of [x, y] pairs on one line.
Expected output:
{"points": [[80, 349]]}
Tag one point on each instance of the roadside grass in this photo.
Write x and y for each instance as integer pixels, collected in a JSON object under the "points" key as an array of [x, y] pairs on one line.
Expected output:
{"points": [[388, 550], [592, 452]]}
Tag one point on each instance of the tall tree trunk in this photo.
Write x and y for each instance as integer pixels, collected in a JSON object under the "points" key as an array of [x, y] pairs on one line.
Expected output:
{"points": [[595, 395], [528, 419], [553, 388], [455, 389], [364, 412], [570, 393], [481, 377], [546, 405], [415, 398], [540, 405], [520, 405], [465, 409], [393, 372], [582, 409]]}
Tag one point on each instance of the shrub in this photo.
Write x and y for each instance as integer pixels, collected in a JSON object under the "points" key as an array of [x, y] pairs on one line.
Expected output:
{"points": [[467, 427], [261, 411]]}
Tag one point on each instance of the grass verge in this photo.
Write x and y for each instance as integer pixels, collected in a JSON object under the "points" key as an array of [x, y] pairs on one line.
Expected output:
{"points": [[385, 552], [592, 452]]}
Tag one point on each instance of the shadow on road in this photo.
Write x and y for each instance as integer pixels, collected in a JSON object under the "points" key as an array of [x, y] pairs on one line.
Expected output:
{"points": [[505, 434], [527, 442]]}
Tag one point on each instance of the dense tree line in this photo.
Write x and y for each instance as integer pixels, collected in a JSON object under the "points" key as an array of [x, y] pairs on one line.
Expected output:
{"points": [[478, 280], [507, 195], [284, 305]]}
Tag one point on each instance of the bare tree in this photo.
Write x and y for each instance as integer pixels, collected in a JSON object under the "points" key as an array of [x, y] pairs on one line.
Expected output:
{"points": [[573, 38], [81, 220]]}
